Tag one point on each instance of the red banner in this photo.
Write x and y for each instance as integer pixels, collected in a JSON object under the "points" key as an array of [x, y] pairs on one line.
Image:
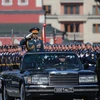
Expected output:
{"points": [[44, 33]]}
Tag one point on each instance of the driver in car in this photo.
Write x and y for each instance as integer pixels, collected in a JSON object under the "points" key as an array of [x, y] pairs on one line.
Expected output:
{"points": [[62, 64]]}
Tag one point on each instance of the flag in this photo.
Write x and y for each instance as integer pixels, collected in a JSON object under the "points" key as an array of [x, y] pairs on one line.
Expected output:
{"points": [[43, 33]]}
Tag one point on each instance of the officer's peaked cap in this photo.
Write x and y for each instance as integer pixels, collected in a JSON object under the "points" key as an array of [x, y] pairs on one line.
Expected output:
{"points": [[34, 28]]}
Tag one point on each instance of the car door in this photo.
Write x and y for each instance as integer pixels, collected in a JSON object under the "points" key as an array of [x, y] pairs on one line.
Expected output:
{"points": [[7, 79], [98, 71], [98, 66], [15, 80]]}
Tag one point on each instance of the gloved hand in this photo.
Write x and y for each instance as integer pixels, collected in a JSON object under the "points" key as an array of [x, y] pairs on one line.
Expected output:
{"points": [[28, 36]]}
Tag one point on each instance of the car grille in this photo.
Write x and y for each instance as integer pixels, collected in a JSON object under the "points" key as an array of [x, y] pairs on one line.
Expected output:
{"points": [[63, 79]]}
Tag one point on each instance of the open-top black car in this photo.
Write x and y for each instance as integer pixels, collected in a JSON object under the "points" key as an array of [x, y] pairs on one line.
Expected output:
{"points": [[97, 70], [49, 73]]}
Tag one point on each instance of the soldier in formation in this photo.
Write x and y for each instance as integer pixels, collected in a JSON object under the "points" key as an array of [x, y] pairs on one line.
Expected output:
{"points": [[9, 57], [86, 52]]}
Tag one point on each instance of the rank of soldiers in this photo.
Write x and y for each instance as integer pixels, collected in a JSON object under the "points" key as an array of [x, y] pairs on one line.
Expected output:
{"points": [[10, 55]]}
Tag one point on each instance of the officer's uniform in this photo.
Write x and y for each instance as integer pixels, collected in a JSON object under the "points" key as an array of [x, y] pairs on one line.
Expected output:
{"points": [[33, 44]]}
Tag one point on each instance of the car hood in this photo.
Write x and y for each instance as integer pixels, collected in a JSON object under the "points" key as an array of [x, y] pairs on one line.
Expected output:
{"points": [[52, 70]]}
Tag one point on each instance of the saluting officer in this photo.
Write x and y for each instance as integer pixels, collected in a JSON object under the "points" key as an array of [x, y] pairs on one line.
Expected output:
{"points": [[32, 42]]}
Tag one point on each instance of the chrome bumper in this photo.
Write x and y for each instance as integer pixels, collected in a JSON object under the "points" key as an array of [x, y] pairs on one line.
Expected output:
{"points": [[69, 89]]}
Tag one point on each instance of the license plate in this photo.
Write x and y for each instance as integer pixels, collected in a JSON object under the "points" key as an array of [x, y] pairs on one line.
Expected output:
{"points": [[63, 90]]}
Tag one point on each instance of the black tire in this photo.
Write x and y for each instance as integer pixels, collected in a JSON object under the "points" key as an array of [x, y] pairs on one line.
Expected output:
{"points": [[5, 96], [22, 93], [89, 98]]}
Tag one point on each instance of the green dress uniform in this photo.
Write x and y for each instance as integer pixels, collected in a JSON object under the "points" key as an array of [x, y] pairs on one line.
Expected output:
{"points": [[33, 44]]}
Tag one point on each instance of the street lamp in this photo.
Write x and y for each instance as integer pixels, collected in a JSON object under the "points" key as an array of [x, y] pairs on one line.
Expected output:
{"points": [[54, 35], [44, 33], [74, 31], [12, 32]]}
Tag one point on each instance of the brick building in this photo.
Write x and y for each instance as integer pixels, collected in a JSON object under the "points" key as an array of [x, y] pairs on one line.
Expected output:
{"points": [[17, 17]]}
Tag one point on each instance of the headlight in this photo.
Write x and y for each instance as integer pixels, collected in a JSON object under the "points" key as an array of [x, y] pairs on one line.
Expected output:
{"points": [[36, 79], [88, 79], [40, 80], [28, 79]]}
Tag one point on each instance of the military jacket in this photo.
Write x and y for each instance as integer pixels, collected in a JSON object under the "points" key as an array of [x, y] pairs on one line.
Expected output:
{"points": [[34, 45]]}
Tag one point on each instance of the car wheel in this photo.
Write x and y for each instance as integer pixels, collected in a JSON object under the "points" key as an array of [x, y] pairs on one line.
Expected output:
{"points": [[22, 93], [89, 98], [5, 95]]}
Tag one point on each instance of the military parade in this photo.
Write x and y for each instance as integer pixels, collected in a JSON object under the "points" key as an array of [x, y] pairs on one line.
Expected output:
{"points": [[49, 49], [11, 54]]}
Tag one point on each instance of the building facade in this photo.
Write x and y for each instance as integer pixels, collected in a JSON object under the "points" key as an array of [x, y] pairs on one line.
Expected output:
{"points": [[17, 17], [80, 19]]}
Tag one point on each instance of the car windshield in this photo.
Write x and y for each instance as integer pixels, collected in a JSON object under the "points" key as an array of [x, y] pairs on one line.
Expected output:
{"points": [[69, 61]]}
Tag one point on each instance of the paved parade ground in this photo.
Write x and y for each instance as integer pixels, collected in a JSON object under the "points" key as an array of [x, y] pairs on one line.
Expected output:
{"points": [[0, 97], [42, 99]]}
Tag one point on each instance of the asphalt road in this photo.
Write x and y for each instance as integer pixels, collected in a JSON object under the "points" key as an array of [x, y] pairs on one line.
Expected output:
{"points": [[0, 97], [42, 99]]}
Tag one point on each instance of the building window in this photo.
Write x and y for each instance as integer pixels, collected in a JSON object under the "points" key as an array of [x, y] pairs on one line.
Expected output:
{"points": [[96, 10], [77, 27], [72, 27], [41, 19], [71, 9], [77, 9], [38, 3], [99, 10], [7, 2], [96, 28], [65, 10], [47, 9], [23, 2]]}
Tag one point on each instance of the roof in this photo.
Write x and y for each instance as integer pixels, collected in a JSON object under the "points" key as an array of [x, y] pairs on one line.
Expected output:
{"points": [[50, 29], [22, 29], [22, 12]]}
